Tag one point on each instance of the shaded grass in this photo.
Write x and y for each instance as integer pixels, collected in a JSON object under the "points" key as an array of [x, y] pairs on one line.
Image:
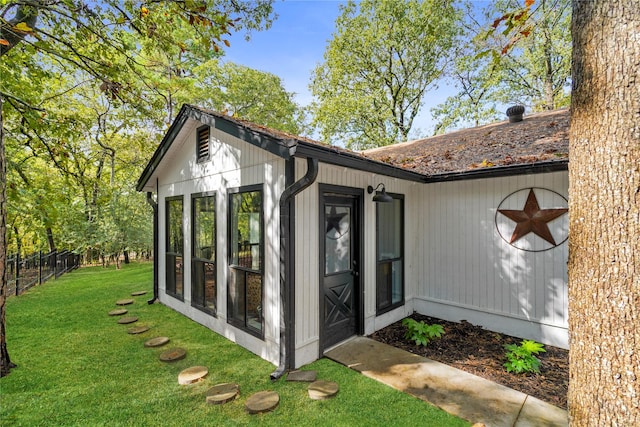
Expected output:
{"points": [[78, 366]]}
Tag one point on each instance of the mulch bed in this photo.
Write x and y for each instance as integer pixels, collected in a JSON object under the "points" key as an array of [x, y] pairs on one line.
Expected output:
{"points": [[481, 352]]}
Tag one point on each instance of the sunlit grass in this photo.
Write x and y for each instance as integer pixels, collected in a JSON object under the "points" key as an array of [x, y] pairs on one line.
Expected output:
{"points": [[78, 366]]}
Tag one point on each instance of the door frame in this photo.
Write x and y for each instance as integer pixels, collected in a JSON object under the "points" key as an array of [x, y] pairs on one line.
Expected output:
{"points": [[358, 196]]}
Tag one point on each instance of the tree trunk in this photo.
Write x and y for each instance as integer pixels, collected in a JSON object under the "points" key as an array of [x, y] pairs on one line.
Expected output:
{"points": [[52, 245], [604, 209], [5, 360], [549, 98]]}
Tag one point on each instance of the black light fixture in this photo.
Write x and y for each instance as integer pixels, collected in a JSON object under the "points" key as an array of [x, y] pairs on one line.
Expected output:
{"points": [[381, 196]]}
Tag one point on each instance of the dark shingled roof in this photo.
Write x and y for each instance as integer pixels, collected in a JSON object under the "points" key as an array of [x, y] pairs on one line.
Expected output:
{"points": [[540, 137], [540, 143]]}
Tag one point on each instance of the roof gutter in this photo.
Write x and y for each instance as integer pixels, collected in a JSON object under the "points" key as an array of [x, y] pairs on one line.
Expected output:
{"points": [[334, 156], [500, 171], [287, 251]]}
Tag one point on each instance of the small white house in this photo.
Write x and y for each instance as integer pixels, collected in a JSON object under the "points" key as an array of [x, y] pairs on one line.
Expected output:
{"points": [[288, 247]]}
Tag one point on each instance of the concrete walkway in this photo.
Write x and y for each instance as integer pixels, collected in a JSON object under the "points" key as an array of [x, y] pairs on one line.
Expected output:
{"points": [[457, 392]]}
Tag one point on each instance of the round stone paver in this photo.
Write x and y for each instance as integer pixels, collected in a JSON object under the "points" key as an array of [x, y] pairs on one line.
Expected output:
{"points": [[262, 401], [320, 390], [118, 312], [192, 374], [156, 342], [173, 355], [125, 301], [127, 320], [138, 330], [222, 393], [138, 293]]}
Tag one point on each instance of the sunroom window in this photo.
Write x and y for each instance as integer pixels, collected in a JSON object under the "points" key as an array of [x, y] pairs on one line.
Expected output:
{"points": [[390, 254], [244, 296], [203, 257], [174, 248]]}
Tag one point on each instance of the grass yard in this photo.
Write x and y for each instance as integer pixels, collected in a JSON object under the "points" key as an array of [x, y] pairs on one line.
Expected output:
{"points": [[78, 366]]}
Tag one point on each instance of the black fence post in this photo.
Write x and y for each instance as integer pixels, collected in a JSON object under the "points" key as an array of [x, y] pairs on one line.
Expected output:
{"points": [[36, 268], [17, 272]]}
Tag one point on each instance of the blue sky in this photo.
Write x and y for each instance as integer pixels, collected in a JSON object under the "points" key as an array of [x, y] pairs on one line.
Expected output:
{"points": [[295, 44]]}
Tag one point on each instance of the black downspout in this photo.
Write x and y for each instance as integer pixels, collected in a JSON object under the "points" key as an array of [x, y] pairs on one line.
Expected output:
{"points": [[287, 240], [154, 205]]}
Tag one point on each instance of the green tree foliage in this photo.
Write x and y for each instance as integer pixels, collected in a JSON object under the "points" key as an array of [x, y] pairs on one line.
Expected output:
{"points": [[246, 93], [497, 66], [383, 57], [86, 88], [536, 71], [473, 104], [83, 83]]}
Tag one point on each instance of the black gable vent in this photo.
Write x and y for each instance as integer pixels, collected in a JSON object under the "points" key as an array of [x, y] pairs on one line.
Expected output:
{"points": [[202, 148], [515, 113]]}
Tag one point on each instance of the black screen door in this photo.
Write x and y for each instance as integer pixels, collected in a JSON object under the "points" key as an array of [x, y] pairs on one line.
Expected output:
{"points": [[340, 243]]}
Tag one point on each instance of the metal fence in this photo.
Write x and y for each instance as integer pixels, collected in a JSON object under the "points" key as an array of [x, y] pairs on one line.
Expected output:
{"points": [[34, 269]]}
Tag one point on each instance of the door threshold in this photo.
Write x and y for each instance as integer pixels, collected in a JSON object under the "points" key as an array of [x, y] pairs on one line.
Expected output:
{"points": [[351, 338]]}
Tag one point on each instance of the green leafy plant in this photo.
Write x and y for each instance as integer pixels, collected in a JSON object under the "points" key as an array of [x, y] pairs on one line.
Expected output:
{"points": [[521, 359], [420, 332]]}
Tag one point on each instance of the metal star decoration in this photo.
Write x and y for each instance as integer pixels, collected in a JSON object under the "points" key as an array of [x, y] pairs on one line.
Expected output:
{"points": [[532, 219], [334, 219]]}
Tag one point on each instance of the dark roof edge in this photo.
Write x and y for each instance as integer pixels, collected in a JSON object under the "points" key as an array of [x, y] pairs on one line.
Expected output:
{"points": [[500, 171], [331, 155], [284, 148]]}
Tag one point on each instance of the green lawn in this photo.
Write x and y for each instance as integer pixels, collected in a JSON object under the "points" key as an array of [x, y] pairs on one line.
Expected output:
{"points": [[78, 366]]}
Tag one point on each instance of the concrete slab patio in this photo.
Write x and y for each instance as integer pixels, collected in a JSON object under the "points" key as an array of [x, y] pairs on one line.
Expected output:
{"points": [[462, 394]]}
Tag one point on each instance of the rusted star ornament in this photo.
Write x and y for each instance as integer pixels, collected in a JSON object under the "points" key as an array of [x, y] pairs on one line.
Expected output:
{"points": [[532, 219]]}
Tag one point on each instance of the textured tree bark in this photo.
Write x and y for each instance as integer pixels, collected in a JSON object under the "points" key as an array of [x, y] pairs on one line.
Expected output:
{"points": [[29, 16], [604, 210], [5, 361]]}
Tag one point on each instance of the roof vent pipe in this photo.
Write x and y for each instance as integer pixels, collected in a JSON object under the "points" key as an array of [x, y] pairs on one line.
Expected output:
{"points": [[515, 113]]}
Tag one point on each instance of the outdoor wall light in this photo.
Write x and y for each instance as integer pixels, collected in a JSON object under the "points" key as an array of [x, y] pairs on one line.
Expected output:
{"points": [[381, 196]]}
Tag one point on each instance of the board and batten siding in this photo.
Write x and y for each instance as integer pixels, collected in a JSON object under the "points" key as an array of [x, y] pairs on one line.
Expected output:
{"points": [[469, 272], [233, 163], [307, 267]]}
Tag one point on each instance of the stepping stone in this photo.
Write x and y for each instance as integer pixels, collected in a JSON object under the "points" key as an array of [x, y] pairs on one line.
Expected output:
{"points": [[138, 330], [118, 312], [127, 320], [302, 376], [138, 293], [173, 355], [262, 401], [192, 374], [321, 390], [222, 393], [126, 301], [156, 342]]}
